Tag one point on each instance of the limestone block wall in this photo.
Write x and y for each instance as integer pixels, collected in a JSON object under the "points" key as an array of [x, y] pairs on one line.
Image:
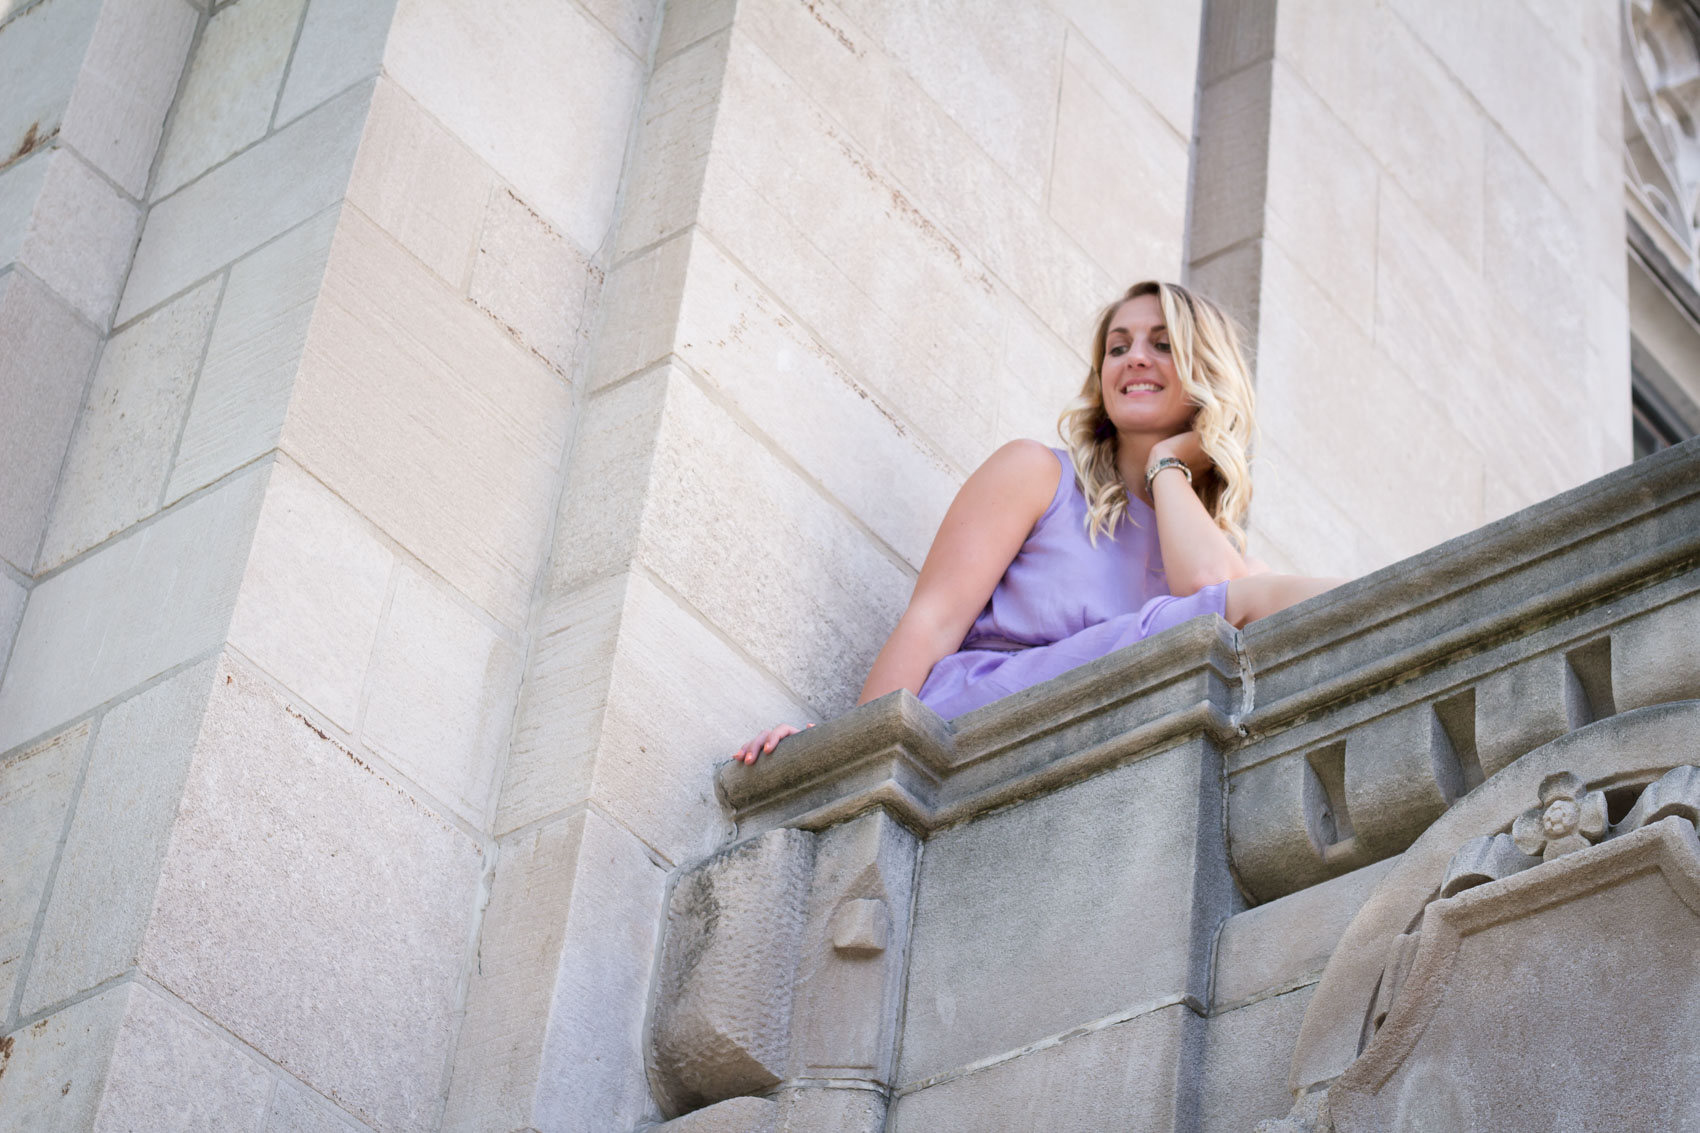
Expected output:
{"points": [[860, 245], [1417, 207], [272, 545]]}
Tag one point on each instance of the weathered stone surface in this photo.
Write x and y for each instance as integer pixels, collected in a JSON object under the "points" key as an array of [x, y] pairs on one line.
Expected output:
{"points": [[675, 130], [255, 353], [724, 996], [1522, 707], [1126, 1076], [1154, 50], [1532, 248], [1401, 774], [429, 420], [1285, 829], [534, 281], [554, 1030], [1074, 906], [103, 892], [1676, 792], [734, 1115], [1244, 1069], [35, 795], [170, 1070], [1569, 818], [41, 55], [1097, 189], [1481, 860], [127, 83], [1229, 202], [906, 306], [995, 78], [690, 24], [822, 606], [130, 611], [56, 1067], [852, 963], [296, 1109], [1619, 749], [1311, 389], [1526, 79], [232, 86], [440, 697], [13, 595], [498, 1059], [743, 343], [1321, 199], [420, 184], [46, 354], [121, 450], [1475, 1011], [1369, 69], [71, 228], [341, 42], [263, 192], [628, 702], [312, 594], [355, 988], [832, 1109], [1517, 414], [505, 74], [1654, 659], [1288, 941]]}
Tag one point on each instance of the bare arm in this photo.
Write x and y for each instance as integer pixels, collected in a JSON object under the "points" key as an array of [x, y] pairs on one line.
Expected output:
{"points": [[981, 534], [990, 518], [1196, 553]]}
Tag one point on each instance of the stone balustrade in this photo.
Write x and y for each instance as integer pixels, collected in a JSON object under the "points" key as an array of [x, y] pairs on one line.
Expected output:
{"points": [[1078, 848]]}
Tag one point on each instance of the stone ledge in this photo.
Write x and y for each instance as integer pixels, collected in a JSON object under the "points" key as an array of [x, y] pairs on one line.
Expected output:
{"points": [[1347, 699], [898, 753], [1614, 534]]}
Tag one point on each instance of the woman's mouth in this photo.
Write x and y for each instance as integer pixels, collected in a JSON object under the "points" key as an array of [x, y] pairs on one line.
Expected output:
{"points": [[1141, 387]]}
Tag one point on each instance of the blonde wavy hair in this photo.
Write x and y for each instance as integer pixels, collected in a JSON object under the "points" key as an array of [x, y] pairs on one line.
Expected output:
{"points": [[1213, 373]]}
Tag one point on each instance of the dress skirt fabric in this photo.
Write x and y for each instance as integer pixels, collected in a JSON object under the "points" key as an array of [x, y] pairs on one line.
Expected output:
{"points": [[1064, 600], [974, 678]]}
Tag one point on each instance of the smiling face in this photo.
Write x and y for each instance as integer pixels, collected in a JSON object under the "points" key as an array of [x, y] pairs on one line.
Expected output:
{"points": [[1142, 393]]}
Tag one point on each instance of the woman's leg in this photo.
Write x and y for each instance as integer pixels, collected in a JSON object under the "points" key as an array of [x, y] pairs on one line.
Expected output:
{"points": [[1260, 595]]}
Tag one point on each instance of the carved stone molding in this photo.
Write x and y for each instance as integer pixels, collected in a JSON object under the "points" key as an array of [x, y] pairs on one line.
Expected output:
{"points": [[1462, 851], [1661, 104], [1495, 1025]]}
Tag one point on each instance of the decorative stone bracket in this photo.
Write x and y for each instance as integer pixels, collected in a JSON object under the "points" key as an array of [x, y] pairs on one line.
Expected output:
{"points": [[780, 977]]}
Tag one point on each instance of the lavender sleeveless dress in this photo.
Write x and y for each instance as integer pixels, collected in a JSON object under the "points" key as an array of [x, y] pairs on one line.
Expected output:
{"points": [[1064, 602]]}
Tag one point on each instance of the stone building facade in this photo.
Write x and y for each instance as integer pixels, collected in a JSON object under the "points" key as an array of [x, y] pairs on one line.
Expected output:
{"points": [[433, 433]]}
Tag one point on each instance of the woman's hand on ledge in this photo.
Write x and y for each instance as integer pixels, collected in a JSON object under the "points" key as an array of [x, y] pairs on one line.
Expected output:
{"points": [[764, 742]]}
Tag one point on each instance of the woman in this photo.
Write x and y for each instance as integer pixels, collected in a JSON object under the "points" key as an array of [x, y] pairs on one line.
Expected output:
{"points": [[1048, 559]]}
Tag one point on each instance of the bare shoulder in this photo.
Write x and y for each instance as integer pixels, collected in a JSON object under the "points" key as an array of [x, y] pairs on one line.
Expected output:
{"points": [[1024, 471], [1015, 483]]}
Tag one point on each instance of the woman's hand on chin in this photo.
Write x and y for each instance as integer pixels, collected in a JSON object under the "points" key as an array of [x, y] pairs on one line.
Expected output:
{"points": [[1185, 447], [764, 742]]}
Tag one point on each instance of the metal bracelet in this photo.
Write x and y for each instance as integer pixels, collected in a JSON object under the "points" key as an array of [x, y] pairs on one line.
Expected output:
{"points": [[1166, 462]]}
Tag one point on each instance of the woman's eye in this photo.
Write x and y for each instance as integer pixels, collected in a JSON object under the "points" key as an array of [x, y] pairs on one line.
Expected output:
{"points": [[1163, 346], [1117, 351]]}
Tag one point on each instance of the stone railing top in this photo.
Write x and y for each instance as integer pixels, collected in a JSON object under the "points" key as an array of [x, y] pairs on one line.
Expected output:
{"points": [[1508, 580]]}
